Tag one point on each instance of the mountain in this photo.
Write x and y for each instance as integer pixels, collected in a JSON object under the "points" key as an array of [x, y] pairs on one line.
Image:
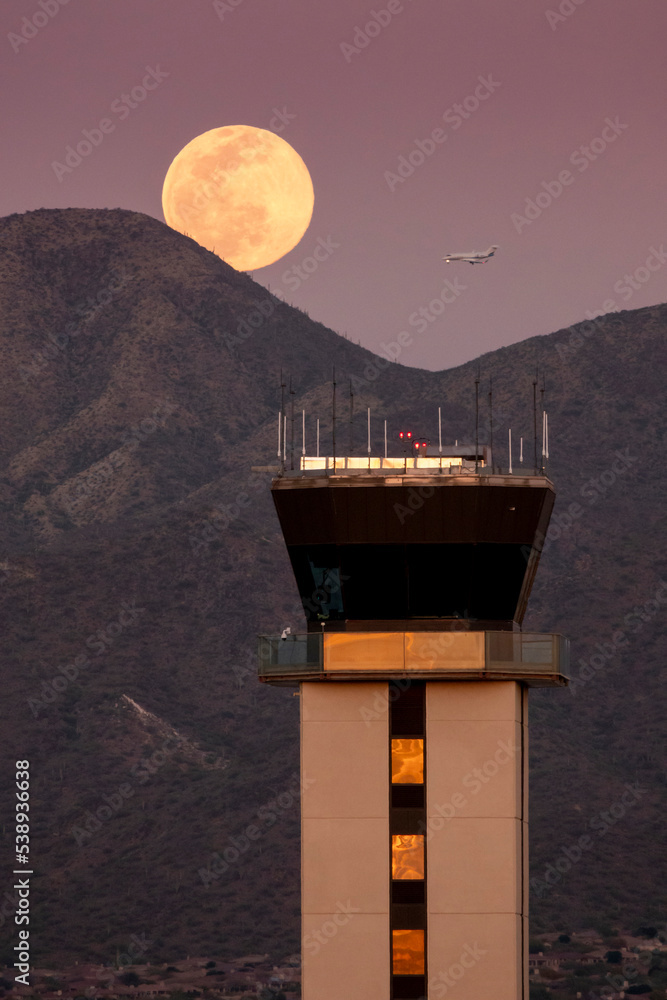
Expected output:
{"points": [[141, 556]]}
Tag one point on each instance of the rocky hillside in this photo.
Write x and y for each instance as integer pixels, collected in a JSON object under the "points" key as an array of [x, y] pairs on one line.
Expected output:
{"points": [[140, 555]]}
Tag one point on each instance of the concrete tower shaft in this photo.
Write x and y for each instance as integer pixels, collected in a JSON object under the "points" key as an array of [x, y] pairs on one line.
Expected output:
{"points": [[414, 675]]}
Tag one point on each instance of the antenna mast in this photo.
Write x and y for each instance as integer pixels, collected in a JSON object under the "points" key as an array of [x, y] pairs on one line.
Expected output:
{"points": [[546, 422], [510, 449], [281, 443], [535, 420], [544, 432], [291, 450], [491, 418], [333, 416], [476, 420]]}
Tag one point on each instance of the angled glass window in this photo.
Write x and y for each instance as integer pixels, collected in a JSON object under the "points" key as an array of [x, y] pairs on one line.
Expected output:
{"points": [[407, 856], [408, 953], [407, 762], [327, 593]]}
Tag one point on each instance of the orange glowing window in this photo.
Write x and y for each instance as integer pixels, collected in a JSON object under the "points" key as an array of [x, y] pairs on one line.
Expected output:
{"points": [[407, 762], [407, 856], [408, 953]]}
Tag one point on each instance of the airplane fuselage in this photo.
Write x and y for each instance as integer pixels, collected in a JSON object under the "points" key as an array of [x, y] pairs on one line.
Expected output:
{"points": [[474, 257]]}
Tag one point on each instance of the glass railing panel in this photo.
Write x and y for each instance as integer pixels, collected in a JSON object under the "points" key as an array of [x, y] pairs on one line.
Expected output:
{"points": [[432, 652], [530, 651], [536, 649], [303, 650]]}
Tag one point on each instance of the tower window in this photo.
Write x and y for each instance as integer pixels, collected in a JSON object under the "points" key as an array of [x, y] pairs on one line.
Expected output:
{"points": [[407, 856], [408, 952], [407, 762]]}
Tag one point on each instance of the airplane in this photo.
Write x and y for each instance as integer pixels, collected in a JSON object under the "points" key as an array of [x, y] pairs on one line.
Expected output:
{"points": [[475, 257]]}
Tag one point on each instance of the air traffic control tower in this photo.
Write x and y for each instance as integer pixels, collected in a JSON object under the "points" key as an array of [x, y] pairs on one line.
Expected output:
{"points": [[414, 675]]}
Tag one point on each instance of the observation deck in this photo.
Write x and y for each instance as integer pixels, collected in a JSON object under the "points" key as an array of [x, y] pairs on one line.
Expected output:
{"points": [[534, 659]]}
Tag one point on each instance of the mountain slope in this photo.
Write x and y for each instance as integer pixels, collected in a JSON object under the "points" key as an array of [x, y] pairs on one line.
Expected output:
{"points": [[141, 556]]}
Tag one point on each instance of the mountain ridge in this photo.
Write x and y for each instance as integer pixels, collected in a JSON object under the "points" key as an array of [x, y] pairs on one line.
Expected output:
{"points": [[128, 477]]}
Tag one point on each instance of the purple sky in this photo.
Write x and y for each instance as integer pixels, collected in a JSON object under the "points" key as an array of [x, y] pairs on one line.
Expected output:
{"points": [[555, 80]]}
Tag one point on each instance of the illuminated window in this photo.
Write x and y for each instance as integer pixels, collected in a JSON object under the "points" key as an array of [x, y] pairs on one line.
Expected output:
{"points": [[407, 815], [407, 856], [407, 762], [408, 953]]}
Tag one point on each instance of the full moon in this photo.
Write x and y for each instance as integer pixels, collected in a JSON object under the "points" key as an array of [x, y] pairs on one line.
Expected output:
{"points": [[242, 193]]}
